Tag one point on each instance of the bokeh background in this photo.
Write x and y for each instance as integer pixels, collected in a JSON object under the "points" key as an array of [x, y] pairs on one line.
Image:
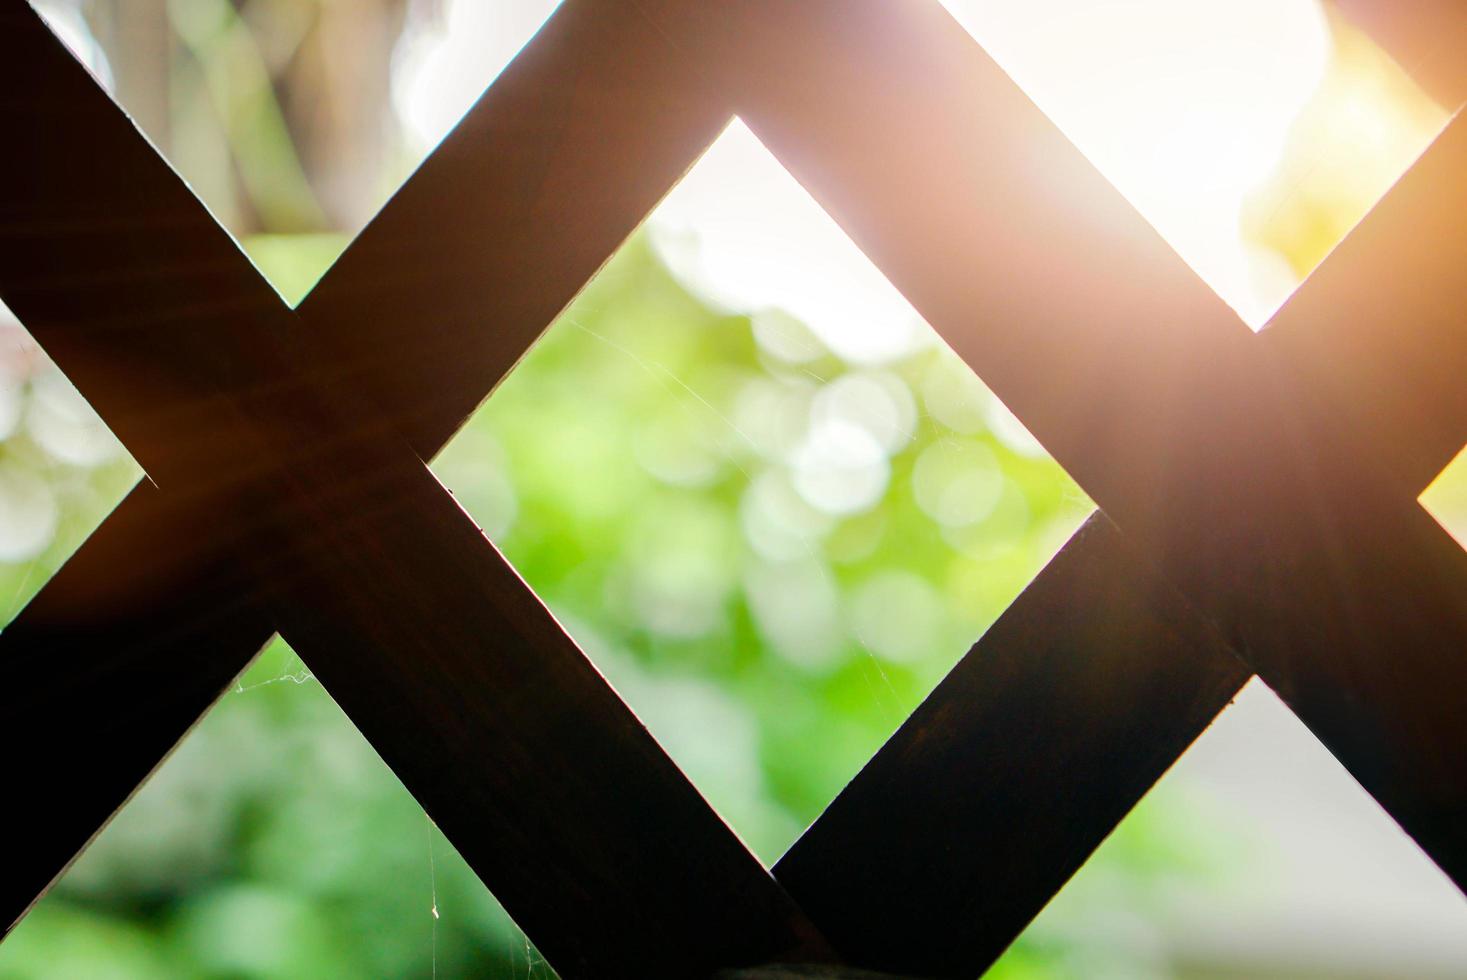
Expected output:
{"points": [[766, 499]]}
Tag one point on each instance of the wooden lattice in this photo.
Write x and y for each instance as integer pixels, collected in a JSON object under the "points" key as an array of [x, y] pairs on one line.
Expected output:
{"points": [[1258, 492]]}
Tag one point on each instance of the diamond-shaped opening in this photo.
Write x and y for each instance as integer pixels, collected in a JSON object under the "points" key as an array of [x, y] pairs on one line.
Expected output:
{"points": [[1252, 134], [1256, 856], [771, 505], [61, 469], [273, 843], [1446, 498], [290, 117]]}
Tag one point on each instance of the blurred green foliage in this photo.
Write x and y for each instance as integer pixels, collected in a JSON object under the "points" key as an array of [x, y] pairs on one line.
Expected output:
{"points": [[642, 468]]}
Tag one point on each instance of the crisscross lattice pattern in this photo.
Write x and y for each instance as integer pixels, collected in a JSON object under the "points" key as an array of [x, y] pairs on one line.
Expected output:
{"points": [[1258, 515]]}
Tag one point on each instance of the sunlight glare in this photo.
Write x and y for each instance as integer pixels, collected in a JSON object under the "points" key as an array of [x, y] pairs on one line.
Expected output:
{"points": [[1185, 107], [1446, 498], [1195, 110]]}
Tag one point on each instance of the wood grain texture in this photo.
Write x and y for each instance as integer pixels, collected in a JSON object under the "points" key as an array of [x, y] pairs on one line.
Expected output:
{"points": [[417, 626], [107, 669]]}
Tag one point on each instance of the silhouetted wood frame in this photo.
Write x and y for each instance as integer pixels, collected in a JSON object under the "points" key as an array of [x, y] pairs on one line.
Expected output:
{"points": [[1258, 491]]}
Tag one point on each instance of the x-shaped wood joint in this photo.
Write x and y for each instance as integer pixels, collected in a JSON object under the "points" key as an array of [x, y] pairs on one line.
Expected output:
{"points": [[1265, 485]]}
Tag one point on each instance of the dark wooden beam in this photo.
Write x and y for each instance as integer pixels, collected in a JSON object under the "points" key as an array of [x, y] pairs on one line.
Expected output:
{"points": [[417, 626], [1015, 768], [1376, 334]]}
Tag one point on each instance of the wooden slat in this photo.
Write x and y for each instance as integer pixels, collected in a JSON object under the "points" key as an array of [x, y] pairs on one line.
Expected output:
{"points": [[106, 670], [548, 786], [536, 188], [1393, 369], [1015, 769], [388, 590], [1134, 374]]}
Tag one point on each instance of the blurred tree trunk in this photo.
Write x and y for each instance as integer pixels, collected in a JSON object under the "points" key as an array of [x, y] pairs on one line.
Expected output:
{"points": [[277, 112], [337, 96], [139, 44]]}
